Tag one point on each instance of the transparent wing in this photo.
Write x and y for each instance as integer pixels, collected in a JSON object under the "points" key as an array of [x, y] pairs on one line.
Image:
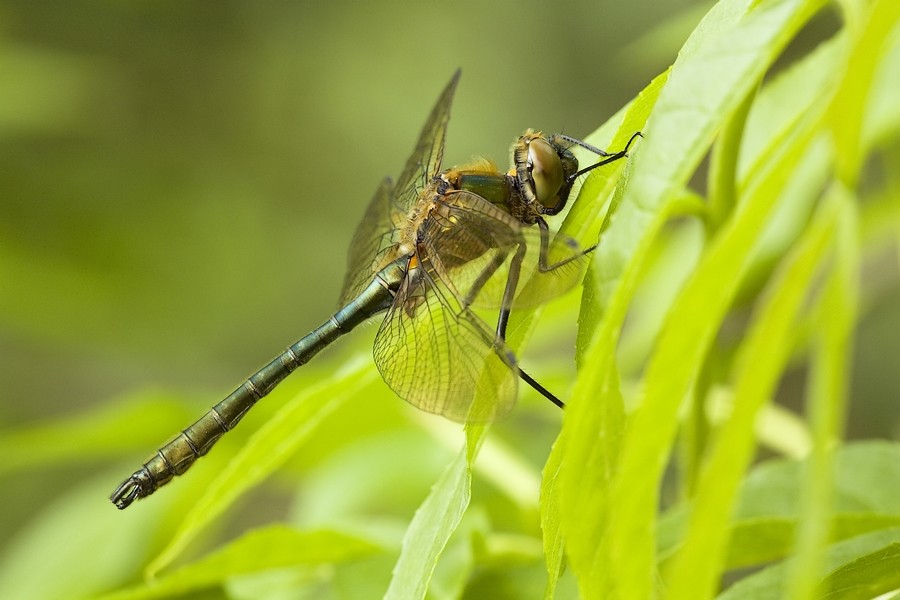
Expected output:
{"points": [[472, 243], [440, 357], [378, 231], [371, 241], [425, 161], [565, 264]]}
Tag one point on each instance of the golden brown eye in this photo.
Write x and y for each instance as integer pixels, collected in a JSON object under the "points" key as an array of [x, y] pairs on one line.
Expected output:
{"points": [[546, 170]]}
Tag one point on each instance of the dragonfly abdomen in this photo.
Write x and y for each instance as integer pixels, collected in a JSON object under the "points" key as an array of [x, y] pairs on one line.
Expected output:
{"points": [[177, 456]]}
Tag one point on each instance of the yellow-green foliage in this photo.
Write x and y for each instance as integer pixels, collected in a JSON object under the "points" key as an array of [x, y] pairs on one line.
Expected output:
{"points": [[704, 430]]}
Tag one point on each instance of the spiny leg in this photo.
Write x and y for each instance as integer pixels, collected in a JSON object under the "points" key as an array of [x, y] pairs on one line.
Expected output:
{"points": [[609, 157], [540, 389], [483, 277], [515, 269], [544, 265], [509, 292]]}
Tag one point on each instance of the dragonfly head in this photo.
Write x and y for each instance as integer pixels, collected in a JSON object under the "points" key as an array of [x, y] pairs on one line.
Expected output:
{"points": [[544, 169]]}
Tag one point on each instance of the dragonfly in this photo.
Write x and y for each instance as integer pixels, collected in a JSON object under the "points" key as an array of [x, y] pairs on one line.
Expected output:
{"points": [[431, 250]]}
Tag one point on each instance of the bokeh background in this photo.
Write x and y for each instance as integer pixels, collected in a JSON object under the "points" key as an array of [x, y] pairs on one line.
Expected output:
{"points": [[179, 181]]}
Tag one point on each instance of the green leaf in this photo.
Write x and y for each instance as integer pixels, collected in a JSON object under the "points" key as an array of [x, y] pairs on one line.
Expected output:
{"points": [[582, 222], [784, 100], [696, 570], [434, 522], [551, 526], [837, 311], [882, 118], [862, 567], [717, 68], [770, 505], [458, 559], [573, 511], [866, 476], [866, 577], [848, 110], [274, 547]]}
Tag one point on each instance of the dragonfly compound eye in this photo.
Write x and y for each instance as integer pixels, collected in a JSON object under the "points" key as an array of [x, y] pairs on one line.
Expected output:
{"points": [[546, 171]]}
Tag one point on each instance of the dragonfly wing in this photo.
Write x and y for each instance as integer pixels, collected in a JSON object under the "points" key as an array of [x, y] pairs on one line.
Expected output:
{"points": [[563, 268], [425, 161], [472, 242], [440, 357], [372, 240], [378, 232]]}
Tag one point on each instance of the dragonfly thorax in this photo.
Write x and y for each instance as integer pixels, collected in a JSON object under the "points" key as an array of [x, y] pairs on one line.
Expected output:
{"points": [[538, 183]]}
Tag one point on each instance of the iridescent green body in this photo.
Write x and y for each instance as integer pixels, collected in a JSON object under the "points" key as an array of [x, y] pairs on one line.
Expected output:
{"points": [[496, 188]]}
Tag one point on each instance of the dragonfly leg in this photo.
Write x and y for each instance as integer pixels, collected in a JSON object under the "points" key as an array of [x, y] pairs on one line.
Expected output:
{"points": [[608, 157], [515, 268], [483, 277], [540, 389], [509, 293], [544, 264], [512, 283], [583, 144]]}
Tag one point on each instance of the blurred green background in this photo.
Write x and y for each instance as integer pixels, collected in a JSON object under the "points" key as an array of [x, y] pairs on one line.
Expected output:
{"points": [[179, 181]]}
